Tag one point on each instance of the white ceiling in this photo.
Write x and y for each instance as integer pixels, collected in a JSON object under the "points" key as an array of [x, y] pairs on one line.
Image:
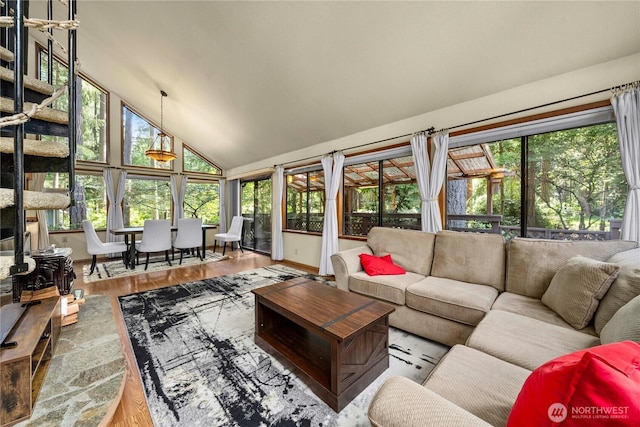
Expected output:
{"points": [[250, 80]]}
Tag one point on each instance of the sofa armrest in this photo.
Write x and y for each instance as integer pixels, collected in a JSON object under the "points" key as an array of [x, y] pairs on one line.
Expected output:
{"points": [[401, 402], [347, 262]]}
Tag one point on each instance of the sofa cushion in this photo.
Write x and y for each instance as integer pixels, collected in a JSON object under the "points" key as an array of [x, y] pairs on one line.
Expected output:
{"points": [[623, 289], [411, 249], [400, 402], [460, 301], [534, 308], [596, 386], [469, 378], [577, 288], [470, 257], [380, 266], [524, 341], [624, 325], [385, 288], [532, 263]]}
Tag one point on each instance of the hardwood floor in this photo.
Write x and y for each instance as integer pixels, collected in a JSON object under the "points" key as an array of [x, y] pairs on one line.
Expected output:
{"points": [[132, 410]]}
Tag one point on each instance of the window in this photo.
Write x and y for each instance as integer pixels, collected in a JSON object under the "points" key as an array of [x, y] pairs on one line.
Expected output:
{"points": [[92, 146], [305, 201], [146, 198], [90, 201], [138, 134], [194, 162], [202, 200], [556, 184], [381, 191]]}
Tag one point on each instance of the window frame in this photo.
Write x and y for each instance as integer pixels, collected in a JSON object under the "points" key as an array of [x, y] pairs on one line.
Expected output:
{"points": [[187, 147], [317, 167], [170, 169], [39, 49]]}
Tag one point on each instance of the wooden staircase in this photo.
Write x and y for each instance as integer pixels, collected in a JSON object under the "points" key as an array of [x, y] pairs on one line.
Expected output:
{"points": [[22, 151]]}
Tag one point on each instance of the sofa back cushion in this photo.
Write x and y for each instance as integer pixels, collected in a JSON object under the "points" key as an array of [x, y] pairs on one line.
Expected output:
{"points": [[470, 257], [410, 249], [532, 263], [624, 325], [622, 290]]}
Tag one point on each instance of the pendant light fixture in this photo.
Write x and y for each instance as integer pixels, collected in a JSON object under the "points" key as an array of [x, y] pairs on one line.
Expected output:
{"points": [[161, 155]]}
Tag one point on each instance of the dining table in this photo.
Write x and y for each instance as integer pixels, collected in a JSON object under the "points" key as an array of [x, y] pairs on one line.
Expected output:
{"points": [[130, 233]]}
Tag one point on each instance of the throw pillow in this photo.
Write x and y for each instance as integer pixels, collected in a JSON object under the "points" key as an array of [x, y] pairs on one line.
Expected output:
{"points": [[577, 288], [624, 325], [376, 266], [591, 387]]}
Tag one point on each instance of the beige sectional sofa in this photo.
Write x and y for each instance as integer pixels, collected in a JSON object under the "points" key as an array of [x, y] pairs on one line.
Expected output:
{"points": [[484, 297]]}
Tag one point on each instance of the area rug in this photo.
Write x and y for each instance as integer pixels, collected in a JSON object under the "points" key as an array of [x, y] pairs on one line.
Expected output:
{"points": [[200, 366], [111, 269]]}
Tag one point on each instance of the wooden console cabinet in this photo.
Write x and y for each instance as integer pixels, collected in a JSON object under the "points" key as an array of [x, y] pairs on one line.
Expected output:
{"points": [[24, 366], [52, 269]]}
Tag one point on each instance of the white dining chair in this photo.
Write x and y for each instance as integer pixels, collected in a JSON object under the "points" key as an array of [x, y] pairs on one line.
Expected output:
{"points": [[233, 235], [156, 237], [96, 247], [189, 236]]}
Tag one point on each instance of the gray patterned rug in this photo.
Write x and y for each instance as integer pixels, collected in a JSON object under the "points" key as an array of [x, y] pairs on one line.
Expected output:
{"points": [[200, 366]]}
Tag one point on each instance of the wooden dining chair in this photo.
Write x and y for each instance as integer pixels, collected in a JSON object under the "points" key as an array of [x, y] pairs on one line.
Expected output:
{"points": [[156, 237]]}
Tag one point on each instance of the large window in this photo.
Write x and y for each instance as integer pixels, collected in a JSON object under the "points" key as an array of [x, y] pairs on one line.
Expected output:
{"points": [[90, 201], [305, 201], [562, 184], [202, 200], [381, 192], [138, 134], [146, 198], [92, 146], [192, 161]]}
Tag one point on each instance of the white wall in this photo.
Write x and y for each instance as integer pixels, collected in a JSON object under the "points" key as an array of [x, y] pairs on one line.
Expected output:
{"points": [[306, 249]]}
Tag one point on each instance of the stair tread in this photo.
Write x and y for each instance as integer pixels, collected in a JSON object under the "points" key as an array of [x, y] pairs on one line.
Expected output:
{"points": [[28, 82], [6, 261], [36, 147], [6, 54], [35, 200], [46, 114]]}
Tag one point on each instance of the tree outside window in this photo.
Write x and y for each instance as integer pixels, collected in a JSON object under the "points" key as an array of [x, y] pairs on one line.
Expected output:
{"points": [[573, 182], [90, 201], [92, 146], [138, 134], [146, 198], [202, 200]]}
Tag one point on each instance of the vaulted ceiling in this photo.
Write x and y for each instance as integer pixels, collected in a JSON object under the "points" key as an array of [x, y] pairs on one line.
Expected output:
{"points": [[250, 80]]}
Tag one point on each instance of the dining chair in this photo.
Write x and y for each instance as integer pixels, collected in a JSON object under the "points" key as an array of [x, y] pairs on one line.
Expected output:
{"points": [[95, 246], [233, 235], [156, 237], [189, 236]]}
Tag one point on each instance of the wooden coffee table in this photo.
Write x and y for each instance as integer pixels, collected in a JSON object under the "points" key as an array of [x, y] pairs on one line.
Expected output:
{"points": [[337, 342]]}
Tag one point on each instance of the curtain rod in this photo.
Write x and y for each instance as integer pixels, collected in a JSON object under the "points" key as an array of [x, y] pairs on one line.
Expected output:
{"points": [[432, 130]]}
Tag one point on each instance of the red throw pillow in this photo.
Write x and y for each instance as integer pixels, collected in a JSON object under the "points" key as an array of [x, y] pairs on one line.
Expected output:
{"points": [[376, 266], [597, 386]]}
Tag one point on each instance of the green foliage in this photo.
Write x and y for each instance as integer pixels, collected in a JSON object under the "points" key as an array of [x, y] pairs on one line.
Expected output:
{"points": [[202, 200], [146, 199], [195, 163]]}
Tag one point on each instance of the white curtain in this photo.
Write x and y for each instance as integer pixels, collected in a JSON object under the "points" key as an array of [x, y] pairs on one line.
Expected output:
{"points": [[440, 144], [43, 229], [177, 195], [277, 249], [421, 162], [330, 231], [430, 177], [222, 227], [627, 108], [115, 217]]}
